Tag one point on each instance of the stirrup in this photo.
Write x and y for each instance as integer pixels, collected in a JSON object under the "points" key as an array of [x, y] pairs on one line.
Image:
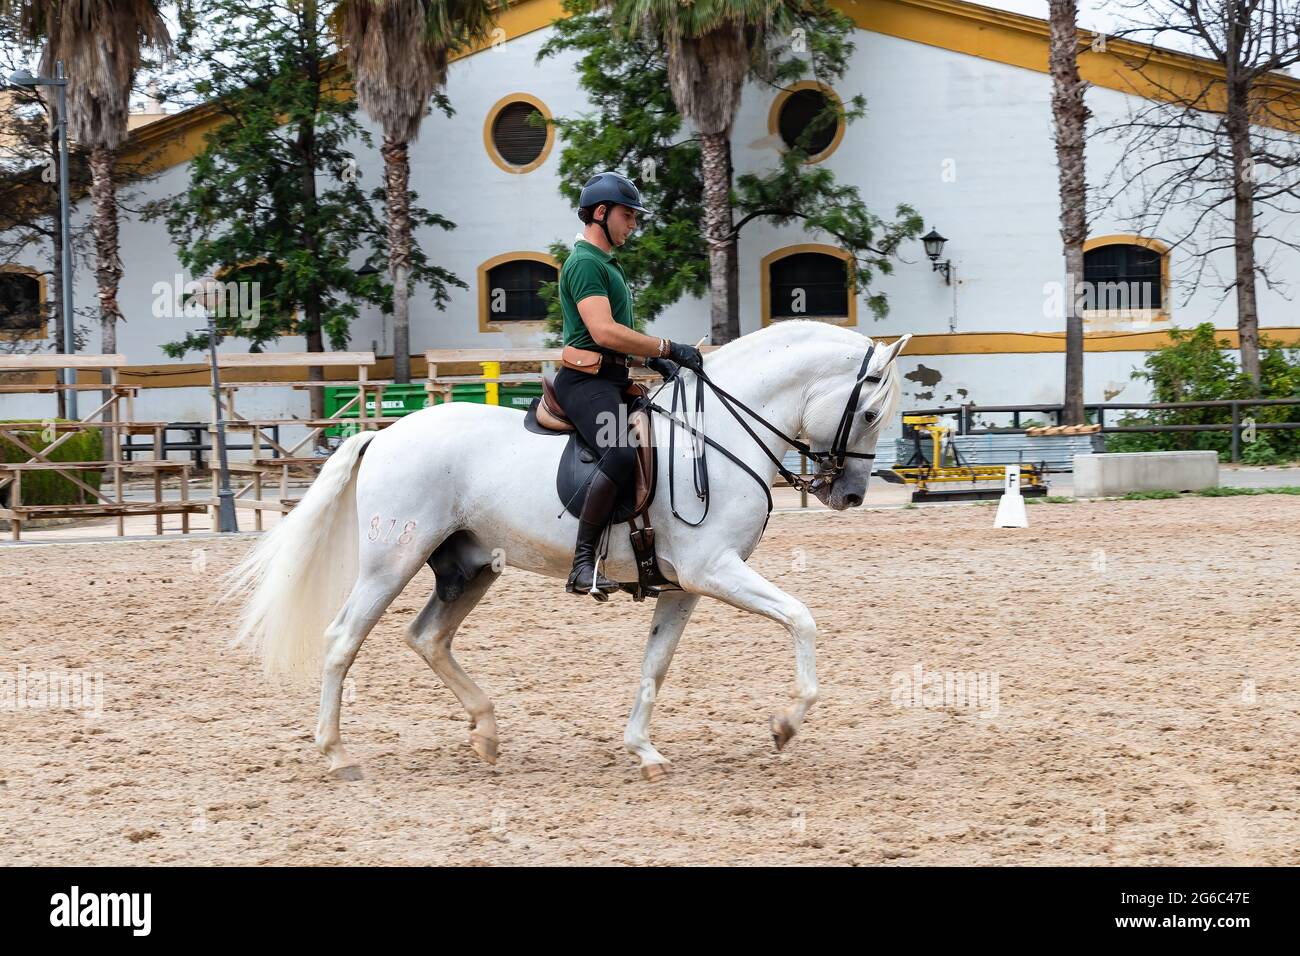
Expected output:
{"points": [[601, 587]]}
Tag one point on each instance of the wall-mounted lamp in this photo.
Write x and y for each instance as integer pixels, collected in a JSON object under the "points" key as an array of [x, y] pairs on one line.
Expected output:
{"points": [[934, 248]]}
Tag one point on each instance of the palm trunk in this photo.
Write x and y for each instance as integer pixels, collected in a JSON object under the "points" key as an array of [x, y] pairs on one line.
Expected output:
{"points": [[1071, 117], [733, 261], [715, 164], [108, 264], [1243, 228], [397, 177]]}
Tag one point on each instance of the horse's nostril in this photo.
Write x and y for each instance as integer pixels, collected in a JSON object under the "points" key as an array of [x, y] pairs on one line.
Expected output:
{"points": [[853, 500]]}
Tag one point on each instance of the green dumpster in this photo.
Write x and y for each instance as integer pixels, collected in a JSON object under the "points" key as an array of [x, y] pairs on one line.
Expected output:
{"points": [[398, 400], [520, 394], [469, 392]]}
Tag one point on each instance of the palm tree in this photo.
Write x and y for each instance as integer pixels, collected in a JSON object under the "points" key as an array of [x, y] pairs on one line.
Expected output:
{"points": [[101, 43], [1070, 116], [711, 46], [397, 51]]}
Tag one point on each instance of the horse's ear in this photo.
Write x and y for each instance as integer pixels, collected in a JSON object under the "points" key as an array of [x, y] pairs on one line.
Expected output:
{"points": [[896, 349]]}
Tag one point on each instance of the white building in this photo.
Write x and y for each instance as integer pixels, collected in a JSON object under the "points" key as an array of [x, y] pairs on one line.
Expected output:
{"points": [[958, 125]]}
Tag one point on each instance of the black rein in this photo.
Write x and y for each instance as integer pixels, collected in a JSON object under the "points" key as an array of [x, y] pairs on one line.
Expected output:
{"points": [[830, 463]]}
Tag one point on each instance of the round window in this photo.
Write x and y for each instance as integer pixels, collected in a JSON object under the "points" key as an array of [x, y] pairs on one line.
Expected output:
{"points": [[518, 142], [798, 112]]}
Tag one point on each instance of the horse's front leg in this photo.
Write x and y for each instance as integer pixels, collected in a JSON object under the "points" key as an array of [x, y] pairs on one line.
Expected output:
{"points": [[734, 582], [672, 611]]}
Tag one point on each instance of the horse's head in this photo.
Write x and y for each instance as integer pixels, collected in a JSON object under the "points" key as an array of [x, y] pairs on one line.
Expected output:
{"points": [[844, 487]]}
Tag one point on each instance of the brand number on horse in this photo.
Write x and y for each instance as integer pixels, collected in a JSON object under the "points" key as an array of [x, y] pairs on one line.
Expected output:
{"points": [[383, 531]]}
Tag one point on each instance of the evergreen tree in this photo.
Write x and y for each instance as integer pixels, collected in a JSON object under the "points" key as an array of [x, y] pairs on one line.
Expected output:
{"points": [[275, 198], [398, 52], [635, 128]]}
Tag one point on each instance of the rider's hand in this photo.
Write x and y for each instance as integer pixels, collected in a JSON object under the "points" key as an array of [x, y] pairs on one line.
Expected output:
{"points": [[686, 355], [663, 366]]}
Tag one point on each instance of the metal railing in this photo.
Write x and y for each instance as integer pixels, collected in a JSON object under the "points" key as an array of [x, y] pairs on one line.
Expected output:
{"points": [[1097, 414], [193, 443]]}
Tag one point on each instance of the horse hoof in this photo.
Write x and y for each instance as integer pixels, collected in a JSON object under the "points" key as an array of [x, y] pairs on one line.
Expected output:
{"points": [[350, 772], [652, 772], [485, 747], [781, 732]]}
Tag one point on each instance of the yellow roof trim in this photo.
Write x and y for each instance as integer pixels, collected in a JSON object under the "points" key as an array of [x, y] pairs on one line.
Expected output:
{"points": [[179, 137], [1022, 41], [1011, 343], [996, 35]]}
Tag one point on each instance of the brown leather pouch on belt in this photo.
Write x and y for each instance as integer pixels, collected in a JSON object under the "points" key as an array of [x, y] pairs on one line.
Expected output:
{"points": [[581, 360]]}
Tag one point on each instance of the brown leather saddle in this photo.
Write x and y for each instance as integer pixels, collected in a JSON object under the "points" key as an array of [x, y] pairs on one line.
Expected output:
{"points": [[578, 464]]}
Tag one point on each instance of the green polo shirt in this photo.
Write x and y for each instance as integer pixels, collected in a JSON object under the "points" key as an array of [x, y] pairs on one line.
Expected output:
{"points": [[589, 271]]}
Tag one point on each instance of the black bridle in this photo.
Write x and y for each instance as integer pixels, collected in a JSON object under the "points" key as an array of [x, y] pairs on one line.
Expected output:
{"points": [[830, 463]]}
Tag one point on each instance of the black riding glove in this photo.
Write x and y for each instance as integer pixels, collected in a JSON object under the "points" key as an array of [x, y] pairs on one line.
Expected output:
{"points": [[663, 366], [686, 355]]}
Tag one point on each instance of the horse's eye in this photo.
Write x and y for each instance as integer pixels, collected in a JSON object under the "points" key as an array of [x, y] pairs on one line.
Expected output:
{"points": [[870, 417]]}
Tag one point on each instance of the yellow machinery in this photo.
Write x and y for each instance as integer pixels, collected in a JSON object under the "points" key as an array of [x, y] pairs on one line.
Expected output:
{"points": [[923, 471]]}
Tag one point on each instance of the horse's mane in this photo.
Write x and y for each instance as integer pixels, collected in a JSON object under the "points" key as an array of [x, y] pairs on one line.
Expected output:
{"points": [[794, 328], [810, 329]]}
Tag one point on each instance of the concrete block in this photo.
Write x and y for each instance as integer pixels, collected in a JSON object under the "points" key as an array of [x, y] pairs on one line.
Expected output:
{"points": [[1100, 476]]}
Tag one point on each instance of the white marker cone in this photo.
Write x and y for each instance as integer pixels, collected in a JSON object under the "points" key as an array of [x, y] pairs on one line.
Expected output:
{"points": [[1011, 507]]}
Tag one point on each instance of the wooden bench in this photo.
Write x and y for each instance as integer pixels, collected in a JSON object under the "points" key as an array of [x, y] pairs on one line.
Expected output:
{"points": [[441, 385], [102, 510], [262, 468], [318, 423], [148, 465], [114, 417], [16, 512], [260, 464]]}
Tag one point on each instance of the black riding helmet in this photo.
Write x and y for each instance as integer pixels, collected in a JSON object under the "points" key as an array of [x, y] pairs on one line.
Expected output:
{"points": [[610, 188]]}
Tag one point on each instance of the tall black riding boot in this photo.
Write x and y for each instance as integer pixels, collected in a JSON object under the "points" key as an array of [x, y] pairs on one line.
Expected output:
{"points": [[602, 493]]}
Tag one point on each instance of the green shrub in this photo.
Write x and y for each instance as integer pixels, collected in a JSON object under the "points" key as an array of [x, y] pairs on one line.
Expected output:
{"points": [[48, 487], [1223, 492], [1195, 367], [1261, 450]]}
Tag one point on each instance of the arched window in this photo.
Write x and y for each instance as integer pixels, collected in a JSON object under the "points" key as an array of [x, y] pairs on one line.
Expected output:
{"points": [[510, 288], [22, 301], [516, 137], [1124, 274], [809, 282], [811, 107]]}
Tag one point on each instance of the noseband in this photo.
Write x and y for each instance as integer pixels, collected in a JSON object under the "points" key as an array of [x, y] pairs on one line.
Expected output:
{"points": [[830, 463]]}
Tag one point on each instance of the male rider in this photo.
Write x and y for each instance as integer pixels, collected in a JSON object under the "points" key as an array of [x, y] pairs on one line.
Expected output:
{"points": [[597, 309]]}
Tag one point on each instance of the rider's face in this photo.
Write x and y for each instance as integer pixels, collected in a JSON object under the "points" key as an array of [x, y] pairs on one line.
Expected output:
{"points": [[622, 222]]}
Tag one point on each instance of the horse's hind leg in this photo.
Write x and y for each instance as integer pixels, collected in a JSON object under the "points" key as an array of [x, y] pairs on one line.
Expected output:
{"points": [[431, 633], [375, 589]]}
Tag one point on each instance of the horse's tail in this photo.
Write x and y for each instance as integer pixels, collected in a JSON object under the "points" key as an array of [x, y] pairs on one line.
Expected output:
{"points": [[298, 575]]}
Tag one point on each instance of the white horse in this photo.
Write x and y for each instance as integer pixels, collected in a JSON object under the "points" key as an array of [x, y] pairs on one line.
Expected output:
{"points": [[471, 476]]}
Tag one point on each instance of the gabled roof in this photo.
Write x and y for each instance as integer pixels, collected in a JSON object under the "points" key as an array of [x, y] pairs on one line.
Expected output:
{"points": [[1017, 40], [968, 28]]}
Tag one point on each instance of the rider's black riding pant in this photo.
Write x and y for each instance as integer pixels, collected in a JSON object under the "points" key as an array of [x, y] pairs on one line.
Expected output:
{"points": [[596, 406]]}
